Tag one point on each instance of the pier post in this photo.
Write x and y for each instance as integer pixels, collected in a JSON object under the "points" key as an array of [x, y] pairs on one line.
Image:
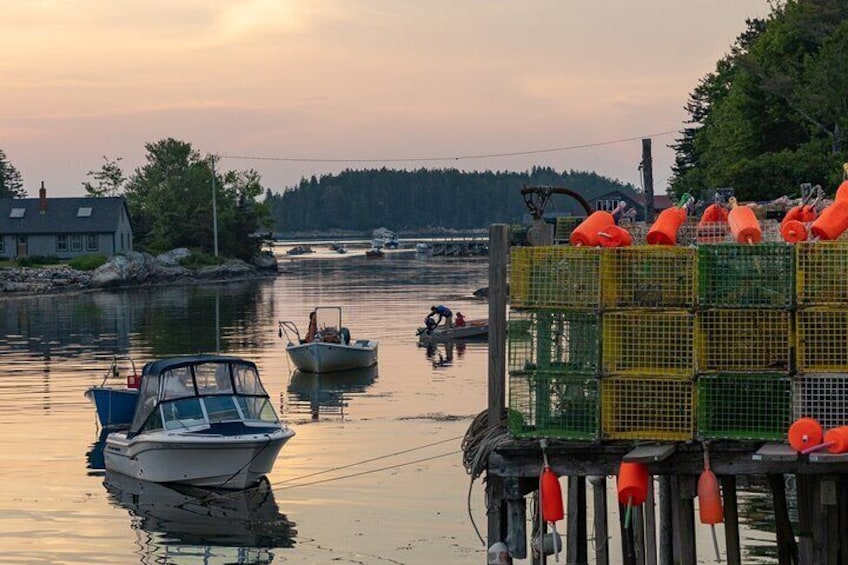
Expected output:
{"points": [[497, 517], [731, 520], [787, 551], [666, 545], [599, 509], [576, 547]]}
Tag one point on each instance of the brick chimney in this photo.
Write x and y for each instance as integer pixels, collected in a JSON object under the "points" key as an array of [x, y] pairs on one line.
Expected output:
{"points": [[42, 198]]}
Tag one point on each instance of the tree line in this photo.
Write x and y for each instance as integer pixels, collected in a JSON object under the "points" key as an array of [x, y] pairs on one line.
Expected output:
{"points": [[424, 199], [774, 112]]}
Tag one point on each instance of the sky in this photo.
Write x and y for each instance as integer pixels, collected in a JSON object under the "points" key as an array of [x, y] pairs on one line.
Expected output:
{"points": [[296, 88]]}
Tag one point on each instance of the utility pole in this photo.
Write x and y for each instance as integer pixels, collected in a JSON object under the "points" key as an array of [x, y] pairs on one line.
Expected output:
{"points": [[648, 179], [214, 209]]}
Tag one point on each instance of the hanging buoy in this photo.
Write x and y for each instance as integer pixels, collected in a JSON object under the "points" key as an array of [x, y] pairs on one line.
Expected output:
{"points": [[632, 483], [793, 231], [586, 233], [710, 509], [552, 510], [615, 236], [743, 223], [805, 433], [832, 221]]}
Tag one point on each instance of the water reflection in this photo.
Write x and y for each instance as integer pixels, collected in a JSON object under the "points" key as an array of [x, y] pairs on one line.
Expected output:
{"points": [[215, 526], [442, 354], [326, 393], [94, 460]]}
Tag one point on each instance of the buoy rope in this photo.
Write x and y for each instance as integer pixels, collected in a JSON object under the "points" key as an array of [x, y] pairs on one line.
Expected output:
{"points": [[380, 469], [364, 461]]}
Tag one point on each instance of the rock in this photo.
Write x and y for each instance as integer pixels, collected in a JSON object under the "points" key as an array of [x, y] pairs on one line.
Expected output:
{"points": [[266, 261], [173, 257], [233, 267]]}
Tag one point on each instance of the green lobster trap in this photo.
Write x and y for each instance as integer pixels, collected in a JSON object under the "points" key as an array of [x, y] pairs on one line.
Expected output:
{"points": [[744, 406], [549, 404], [647, 408], [744, 340], [555, 277], [656, 342], [652, 276], [746, 276], [557, 340], [822, 340]]}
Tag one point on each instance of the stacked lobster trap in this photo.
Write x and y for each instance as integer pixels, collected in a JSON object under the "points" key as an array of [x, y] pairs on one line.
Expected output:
{"points": [[726, 341]]}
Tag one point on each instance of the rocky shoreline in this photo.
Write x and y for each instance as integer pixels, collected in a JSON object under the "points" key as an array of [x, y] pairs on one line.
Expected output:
{"points": [[130, 269]]}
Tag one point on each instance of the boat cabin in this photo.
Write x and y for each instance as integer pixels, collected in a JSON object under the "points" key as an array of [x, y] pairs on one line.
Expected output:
{"points": [[205, 393]]}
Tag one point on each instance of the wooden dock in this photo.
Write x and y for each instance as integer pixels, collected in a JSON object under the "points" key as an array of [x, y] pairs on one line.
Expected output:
{"points": [[663, 529], [461, 247]]}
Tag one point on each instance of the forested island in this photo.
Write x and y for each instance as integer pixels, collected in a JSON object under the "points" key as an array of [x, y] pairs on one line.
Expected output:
{"points": [[422, 201]]}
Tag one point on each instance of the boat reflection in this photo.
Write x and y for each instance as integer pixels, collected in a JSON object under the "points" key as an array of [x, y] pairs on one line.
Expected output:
{"points": [[442, 354], [219, 526], [94, 456], [319, 394]]}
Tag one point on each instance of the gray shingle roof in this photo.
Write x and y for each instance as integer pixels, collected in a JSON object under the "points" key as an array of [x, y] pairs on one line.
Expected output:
{"points": [[61, 215]]}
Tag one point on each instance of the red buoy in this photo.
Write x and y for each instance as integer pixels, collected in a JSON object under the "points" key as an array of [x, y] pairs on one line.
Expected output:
{"points": [[587, 232], [632, 483], [805, 433], [793, 231], [744, 224], [664, 229], [803, 213], [832, 222], [615, 236], [709, 499], [552, 510], [842, 191], [838, 439]]}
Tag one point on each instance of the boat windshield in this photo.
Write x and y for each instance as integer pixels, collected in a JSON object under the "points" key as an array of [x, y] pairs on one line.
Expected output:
{"points": [[200, 392]]}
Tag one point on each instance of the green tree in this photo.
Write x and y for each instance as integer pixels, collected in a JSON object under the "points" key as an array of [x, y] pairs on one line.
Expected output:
{"points": [[11, 182], [170, 202], [110, 179]]}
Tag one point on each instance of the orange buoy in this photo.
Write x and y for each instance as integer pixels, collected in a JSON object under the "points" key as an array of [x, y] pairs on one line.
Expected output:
{"points": [[709, 499], [743, 223], [803, 213], [714, 214], [832, 221], [793, 231], [842, 191], [805, 433], [632, 483], [615, 236], [664, 229], [838, 440], [552, 510], [587, 232]]}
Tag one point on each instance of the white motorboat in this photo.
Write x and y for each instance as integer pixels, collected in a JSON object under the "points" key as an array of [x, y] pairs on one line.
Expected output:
{"points": [[203, 420], [327, 346]]}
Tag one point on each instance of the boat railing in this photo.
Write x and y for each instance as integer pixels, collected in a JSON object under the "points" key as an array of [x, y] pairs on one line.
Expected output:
{"points": [[286, 326]]}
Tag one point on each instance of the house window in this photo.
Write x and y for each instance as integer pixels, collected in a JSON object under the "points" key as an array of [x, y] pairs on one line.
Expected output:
{"points": [[84, 212], [17, 213], [61, 243], [91, 242], [607, 205], [2, 244], [76, 242]]}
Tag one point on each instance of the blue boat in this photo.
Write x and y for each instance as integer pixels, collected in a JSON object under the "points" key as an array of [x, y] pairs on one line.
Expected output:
{"points": [[115, 405]]}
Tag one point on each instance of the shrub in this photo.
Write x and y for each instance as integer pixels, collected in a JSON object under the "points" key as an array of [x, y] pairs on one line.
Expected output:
{"points": [[36, 261], [87, 262], [197, 260]]}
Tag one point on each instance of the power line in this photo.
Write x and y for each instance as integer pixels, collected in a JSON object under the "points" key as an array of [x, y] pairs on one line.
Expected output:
{"points": [[454, 158]]}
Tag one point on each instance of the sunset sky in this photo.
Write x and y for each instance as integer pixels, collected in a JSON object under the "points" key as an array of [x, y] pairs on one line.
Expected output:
{"points": [[310, 87]]}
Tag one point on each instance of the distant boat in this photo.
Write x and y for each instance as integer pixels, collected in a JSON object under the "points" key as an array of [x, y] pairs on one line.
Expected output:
{"points": [[327, 346], [203, 420], [375, 253], [115, 404], [473, 329], [382, 237], [300, 250]]}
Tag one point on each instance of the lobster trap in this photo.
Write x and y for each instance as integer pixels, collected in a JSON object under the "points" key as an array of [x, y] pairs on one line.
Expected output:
{"points": [[648, 277], [649, 408], [656, 342], [744, 340], [548, 404], [744, 406], [822, 396], [555, 277], [557, 340], [746, 276], [822, 340], [821, 273]]}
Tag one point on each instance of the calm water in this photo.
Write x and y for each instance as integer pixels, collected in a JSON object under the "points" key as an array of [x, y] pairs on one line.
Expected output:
{"points": [[374, 474]]}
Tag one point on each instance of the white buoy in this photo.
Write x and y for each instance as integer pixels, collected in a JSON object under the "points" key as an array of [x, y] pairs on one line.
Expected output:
{"points": [[498, 554]]}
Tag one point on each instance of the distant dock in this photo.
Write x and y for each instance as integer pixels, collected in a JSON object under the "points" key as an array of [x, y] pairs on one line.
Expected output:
{"points": [[460, 247]]}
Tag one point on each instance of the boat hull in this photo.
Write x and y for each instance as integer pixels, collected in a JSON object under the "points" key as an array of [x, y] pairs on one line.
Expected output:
{"points": [[321, 357], [206, 460], [441, 333], [115, 406]]}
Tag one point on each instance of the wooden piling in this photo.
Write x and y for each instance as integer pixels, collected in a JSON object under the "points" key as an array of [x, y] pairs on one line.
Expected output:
{"points": [[599, 509], [576, 545], [731, 520]]}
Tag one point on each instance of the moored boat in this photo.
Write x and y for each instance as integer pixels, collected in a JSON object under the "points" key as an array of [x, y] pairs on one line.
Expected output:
{"points": [[115, 404], [202, 420], [327, 346], [473, 329]]}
